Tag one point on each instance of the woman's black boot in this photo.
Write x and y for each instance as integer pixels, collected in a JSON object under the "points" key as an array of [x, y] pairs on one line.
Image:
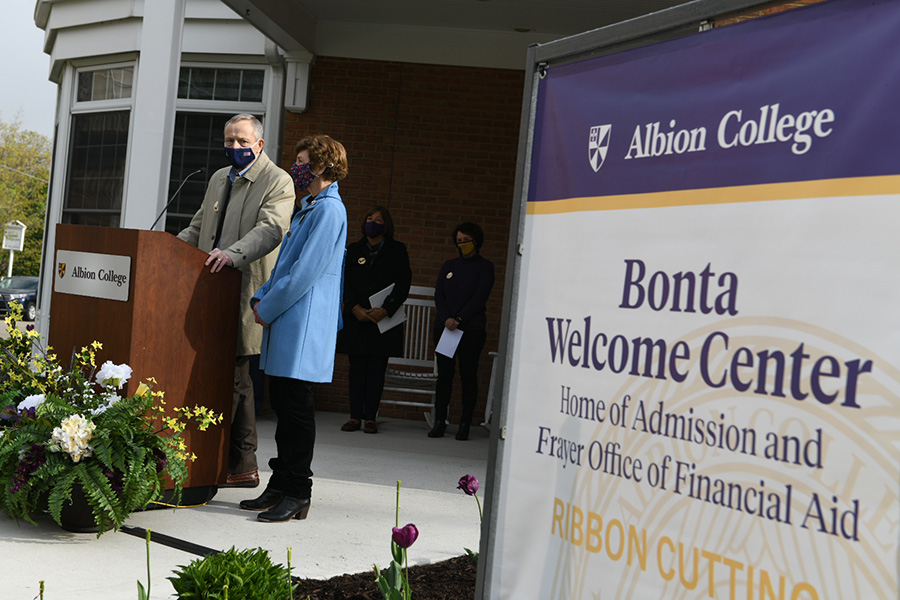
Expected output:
{"points": [[289, 508], [265, 501]]}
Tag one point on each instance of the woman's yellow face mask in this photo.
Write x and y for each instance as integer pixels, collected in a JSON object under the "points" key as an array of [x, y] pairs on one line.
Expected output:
{"points": [[465, 244]]}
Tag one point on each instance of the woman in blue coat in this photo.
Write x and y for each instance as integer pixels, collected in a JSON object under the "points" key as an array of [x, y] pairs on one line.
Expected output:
{"points": [[299, 309]]}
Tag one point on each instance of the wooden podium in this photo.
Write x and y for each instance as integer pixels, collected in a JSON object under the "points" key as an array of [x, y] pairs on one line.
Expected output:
{"points": [[178, 325]]}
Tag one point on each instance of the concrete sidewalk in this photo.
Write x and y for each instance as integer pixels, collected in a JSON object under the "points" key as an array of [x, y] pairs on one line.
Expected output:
{"points": [[347, 531]]}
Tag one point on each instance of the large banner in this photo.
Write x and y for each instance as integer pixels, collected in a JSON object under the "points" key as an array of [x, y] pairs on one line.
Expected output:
{"points": [[705, 401]]}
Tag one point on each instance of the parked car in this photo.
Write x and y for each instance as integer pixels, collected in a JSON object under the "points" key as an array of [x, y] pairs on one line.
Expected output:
{"points": [[23, 290]]}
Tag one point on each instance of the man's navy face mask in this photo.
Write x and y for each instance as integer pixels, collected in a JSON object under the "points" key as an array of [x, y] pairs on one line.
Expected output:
{"points": [[239, 158]]}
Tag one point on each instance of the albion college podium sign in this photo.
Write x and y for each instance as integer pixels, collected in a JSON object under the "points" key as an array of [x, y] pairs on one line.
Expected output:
{"points": [[91, 274]]}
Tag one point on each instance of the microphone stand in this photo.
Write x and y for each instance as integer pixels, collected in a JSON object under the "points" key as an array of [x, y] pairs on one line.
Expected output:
{"points": [[175, 195]]}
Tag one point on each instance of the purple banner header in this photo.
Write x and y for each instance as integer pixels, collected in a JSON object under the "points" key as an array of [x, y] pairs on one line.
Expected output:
{"points": [[797, 96]]}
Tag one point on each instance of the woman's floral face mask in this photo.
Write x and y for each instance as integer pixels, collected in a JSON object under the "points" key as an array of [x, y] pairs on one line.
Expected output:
{"points": [[302, 175]]}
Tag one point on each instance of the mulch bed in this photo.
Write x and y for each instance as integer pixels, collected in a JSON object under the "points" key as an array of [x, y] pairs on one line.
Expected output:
{"points": [[452, 579]]}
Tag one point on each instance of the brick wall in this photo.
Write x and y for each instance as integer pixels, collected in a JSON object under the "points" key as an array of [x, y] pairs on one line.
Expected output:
{"points": [[437, 146]]}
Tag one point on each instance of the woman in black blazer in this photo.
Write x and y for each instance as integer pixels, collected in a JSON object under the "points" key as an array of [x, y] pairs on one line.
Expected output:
{"points": [[373, 263]]}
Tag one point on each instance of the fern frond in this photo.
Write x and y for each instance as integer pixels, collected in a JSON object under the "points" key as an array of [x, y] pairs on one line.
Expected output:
{"points": [[61, 492]]}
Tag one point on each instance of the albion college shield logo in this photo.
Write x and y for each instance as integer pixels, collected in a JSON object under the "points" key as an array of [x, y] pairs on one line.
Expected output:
{"points": [[598, 144], [61, 269]]}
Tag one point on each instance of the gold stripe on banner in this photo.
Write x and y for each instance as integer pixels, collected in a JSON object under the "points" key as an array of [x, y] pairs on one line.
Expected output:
{"points": [[795, 190]]}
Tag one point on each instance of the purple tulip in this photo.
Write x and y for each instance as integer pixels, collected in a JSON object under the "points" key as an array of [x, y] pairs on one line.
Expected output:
{"points": [[405, 536], [468, 484]]}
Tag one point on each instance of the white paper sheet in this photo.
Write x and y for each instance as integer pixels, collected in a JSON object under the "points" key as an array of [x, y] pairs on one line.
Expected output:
{"points": [[376, 300], [448, 342]]}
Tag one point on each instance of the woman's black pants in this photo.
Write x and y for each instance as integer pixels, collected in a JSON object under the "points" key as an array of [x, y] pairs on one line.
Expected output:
{"points": [[467, 354], [295, 436], [366, 384]]}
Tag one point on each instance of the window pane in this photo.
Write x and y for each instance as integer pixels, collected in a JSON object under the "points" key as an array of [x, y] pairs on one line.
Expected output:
{"points": [[96, 177], [85, 86], [228, 85], [252, 86], [201, 83], [105, 84], [95, 219]]}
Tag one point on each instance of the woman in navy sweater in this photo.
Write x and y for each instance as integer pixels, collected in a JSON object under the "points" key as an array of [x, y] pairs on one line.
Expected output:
{"points": [[460, 298]]}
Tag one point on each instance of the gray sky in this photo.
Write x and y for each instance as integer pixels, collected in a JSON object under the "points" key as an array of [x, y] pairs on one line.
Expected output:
{"points": [[26, 90]]}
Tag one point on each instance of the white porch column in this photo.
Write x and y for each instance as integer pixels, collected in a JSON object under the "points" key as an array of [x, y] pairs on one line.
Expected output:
{"points": [[155, 91]]}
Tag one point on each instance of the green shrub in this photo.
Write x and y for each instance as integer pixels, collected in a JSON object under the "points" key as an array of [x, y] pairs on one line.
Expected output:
{"points": [[248, 575]]}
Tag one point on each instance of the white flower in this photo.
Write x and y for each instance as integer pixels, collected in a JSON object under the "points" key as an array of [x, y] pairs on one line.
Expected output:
{"points": [[73, 435], [110, 400], [31, 402], [111, 375]]}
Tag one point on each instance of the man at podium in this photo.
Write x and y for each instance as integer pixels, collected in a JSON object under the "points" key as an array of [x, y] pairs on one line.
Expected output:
{"points": [[243, 217]]}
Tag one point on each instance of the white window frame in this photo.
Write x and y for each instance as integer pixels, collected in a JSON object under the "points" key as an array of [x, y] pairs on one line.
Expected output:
{"points": [[229, 107], [85, 107]]}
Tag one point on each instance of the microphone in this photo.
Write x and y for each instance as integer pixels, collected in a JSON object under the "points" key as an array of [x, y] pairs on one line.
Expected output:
{"points": [[175, 195]]}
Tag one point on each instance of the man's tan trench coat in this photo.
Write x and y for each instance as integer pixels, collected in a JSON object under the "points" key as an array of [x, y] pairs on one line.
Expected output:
{"points": [[258, 214]]}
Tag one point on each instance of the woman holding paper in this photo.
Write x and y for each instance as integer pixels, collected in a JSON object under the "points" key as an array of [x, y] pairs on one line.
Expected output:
{"points": [[376, 282], [460, 298]]}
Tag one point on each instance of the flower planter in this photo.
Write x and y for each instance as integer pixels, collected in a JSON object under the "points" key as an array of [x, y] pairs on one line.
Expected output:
{"points": [[76, 515], [61, 427]]}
